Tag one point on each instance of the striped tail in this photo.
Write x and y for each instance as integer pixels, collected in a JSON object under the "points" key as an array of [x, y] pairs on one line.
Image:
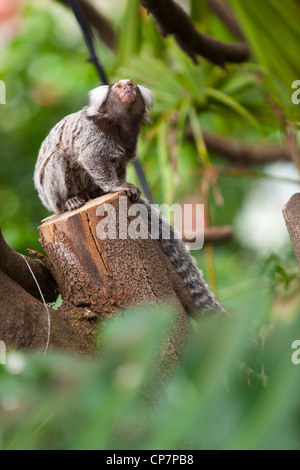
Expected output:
{"points": [[184, 263]]}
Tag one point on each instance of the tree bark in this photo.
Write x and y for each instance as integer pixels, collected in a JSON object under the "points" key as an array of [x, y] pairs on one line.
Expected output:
{"points": [[291, 213], [245, 154], [213, 235], [14, 266], [97, 280], [23, 322]]}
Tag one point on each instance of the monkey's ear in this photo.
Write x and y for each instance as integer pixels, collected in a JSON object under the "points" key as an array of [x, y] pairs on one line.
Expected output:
{"points": [[97, 97], [147, 96]]}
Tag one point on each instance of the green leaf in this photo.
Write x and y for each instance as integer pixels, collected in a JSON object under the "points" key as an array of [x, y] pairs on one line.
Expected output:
{"points": [[219, 97]]}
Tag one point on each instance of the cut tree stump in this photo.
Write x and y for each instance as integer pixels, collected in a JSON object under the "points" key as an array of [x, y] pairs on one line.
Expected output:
{"points": [[291, 213], [99, 278]]}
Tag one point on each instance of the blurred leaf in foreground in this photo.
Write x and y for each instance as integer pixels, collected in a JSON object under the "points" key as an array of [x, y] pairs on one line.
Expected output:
{"points": [[227, 393]]}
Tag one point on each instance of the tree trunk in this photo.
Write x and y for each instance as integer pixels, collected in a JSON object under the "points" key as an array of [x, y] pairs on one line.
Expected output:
{"points": [[97, 279], [291, 213]]}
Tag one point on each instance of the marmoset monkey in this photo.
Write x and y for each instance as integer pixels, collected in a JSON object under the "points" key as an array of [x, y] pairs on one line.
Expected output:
{"points": [[85, 155]]}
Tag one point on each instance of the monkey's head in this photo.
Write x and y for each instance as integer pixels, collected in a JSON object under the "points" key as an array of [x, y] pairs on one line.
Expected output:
{"points": [[124, 90], [123, 97]]}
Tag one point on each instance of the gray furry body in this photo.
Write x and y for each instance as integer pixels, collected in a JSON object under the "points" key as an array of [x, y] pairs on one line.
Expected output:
{"points": [[78, 160], [85, 155]]}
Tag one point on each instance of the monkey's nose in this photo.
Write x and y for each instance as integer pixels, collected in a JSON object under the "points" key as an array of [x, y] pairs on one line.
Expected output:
{"points": [[129, 86]]}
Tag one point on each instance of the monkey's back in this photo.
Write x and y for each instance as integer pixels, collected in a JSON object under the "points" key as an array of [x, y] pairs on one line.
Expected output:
{"points": [[59, 175]]}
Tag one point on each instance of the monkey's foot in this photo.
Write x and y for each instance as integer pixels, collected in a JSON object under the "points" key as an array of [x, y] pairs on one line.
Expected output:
{"points": [[74, 203], [131, 191]]}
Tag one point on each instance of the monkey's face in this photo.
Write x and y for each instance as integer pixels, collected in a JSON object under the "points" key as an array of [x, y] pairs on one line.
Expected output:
{"points": [[125, 91]]}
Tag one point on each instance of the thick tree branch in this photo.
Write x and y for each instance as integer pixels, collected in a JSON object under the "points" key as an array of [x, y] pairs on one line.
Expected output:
{"points": [[14, 266], [23, 321], [108, 274], [97, 278], [172, 19], [213, 235], [291, 213], [245, 154]]}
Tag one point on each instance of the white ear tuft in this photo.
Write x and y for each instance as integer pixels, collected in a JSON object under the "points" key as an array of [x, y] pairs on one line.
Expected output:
{"points": [[97, 97], [147, 96]]}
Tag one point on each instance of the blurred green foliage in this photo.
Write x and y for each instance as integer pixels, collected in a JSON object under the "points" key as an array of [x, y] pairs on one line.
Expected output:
{"points": [[46, 75], [230, 392], [45, 80], [220, 399]]}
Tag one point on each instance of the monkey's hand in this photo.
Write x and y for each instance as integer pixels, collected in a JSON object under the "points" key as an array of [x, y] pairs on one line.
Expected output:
{"points": [[74, 203], [131, 191]]}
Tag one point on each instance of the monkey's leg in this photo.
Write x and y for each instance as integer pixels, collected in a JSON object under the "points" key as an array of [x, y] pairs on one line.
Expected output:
{"points": [[54, 181], [133, 192], [59, 184]]}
